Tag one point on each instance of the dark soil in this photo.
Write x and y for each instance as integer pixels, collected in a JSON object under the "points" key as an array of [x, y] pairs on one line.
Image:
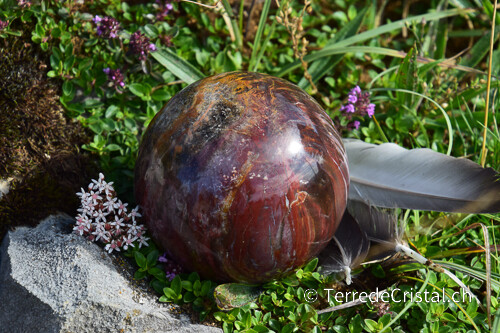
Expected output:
{"points": [[40, 159]]}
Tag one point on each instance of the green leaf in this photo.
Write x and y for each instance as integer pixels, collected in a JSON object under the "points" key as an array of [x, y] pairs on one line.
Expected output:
{"points": [[140, 259], [371, 325], [68, 89], [112, 147], [198, 303], [158, 285], [96, 127], [317, 329], [385, 319], [288, 328], [206, 286], [39, 30], [188, 297], [161, 95], [69, 62], [177, 66], [170, 293], [247, 319], [56, 32], [130, 124], [441, 40], [197, 288], [175, 285], [187, 285], [55, 62], [355, 325], [111, 111], [378, 271], [261, 329], [202, 56], [157, 273], [139, 89], [151, 31], [51, 74], [406, 78], [194, 277], [311, 265], [139, 275], [448, 317], [152, 258], [85, 64], [92, 103]]}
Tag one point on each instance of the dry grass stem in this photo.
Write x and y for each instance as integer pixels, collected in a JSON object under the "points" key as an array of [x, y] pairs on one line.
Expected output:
{"points": [[488, 87], [294, 27]]}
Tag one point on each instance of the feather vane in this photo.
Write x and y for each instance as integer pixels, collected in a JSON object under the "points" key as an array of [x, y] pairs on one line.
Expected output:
{"points": [[390, 176]]}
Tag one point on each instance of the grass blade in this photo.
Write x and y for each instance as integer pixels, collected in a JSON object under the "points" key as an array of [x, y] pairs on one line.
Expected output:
{"points": [[258, 35], [496, 323], [488, 271], [479, 50], [475, 272], [178, 66], [326, 52], [233, 23], [408, 305], [319, 68], [451, 299], [264, 47], [445, 115], [374, 33]]}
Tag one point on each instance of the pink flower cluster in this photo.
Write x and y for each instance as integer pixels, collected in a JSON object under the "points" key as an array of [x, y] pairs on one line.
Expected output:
{"points": [[103, 217]]}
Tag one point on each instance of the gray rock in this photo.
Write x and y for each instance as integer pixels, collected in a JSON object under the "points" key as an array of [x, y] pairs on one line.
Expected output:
{"points": [[52, 280]]}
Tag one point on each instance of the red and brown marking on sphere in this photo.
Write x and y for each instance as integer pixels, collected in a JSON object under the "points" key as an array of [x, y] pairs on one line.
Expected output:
{"points": [[242, 177]]}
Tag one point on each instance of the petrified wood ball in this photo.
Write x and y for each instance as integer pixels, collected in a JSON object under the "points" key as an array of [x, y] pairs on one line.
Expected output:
{"points": [[242, 177]]}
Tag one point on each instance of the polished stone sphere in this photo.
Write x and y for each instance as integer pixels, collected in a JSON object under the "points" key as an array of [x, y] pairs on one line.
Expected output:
{"points": [[242, 177]]}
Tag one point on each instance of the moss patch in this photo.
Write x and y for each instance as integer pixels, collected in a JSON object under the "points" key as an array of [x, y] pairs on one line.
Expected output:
{"points": [[39, 145]]}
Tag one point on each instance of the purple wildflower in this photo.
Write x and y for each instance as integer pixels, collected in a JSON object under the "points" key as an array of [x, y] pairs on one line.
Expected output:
{"points": [[349, 108], [166, 40], [171, 267], [163, 8], [359, 102], [107, 27], [23, 4], [116, 78], [140, 45], [3, 24]]}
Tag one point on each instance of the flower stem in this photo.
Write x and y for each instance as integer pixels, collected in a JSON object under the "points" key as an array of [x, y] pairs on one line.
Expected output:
{"points": [[380, 129]]}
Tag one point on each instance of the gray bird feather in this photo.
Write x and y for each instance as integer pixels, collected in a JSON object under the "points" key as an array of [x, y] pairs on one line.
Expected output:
{"points": [[347, 250], [390, 176]]}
